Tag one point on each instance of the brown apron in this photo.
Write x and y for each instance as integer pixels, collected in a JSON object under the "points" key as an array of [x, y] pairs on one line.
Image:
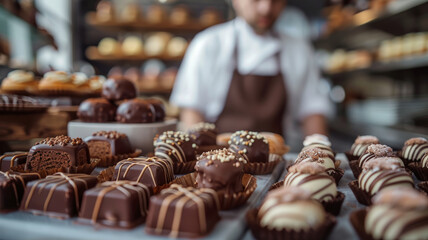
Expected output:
{"points": [[255, 103]]}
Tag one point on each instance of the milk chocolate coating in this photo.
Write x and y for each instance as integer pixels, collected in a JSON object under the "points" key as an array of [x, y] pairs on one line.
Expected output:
{"points": [[112, 142], [183, 212], [115, 89], [204, 136], [57, 195], [120, 204], [135, 111], [251, 145], [96, 110], [12, 185], [175, 146], [57, 152], [152, 172], [159, 109], [9, 160]]}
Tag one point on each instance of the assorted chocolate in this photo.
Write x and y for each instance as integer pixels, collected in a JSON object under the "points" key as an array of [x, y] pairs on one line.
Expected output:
{"points": [[183, 212], [97, 110], [252, 146], [12, 186], [115, 89], [203, 134], [57, 195], [135, 111], [178, 147], [9, 160]]}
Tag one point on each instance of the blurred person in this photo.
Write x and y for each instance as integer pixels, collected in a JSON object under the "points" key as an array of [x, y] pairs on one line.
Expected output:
{"points": [[243, 75]]}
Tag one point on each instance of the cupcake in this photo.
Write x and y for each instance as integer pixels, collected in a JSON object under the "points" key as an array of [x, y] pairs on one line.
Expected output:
{"points": [[373, 151], [313, 178], [19, 81], [395, 214], [414, 149], [379, 174], [360, 146], [290, 213]]}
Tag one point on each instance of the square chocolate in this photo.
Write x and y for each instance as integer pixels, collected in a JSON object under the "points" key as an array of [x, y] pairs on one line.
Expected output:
{"points": [[57, 195], [119, 204], [152, 172], [104, 144], [183, 212], [12, 185], [14, 159]]}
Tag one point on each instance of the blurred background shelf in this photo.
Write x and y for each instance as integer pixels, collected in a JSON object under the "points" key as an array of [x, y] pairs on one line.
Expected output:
{"points": [[93, 54]]}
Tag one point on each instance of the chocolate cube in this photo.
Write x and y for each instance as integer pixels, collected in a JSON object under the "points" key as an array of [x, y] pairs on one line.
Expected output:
{"points": [[57, 195], [12, 185], [9, 160], [105, 144]]}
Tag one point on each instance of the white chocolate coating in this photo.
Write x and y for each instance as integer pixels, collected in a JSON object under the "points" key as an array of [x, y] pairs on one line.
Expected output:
{"points": [[326, 162], [316, 138], [414, 152], [373, 181], [321, 186]]}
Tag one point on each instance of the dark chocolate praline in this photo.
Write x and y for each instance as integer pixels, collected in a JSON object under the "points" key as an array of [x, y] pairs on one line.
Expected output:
{"points": [[116, 89], [135, 111], [96, 110]]}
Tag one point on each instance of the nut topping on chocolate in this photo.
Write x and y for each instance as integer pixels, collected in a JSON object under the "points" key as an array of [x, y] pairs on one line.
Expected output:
{"points": [[109, 134], [380, 150], [222, 155], [60, 140]]}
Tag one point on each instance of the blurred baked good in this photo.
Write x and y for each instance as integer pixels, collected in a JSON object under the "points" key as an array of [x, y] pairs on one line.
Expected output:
{"points": [[19, 80], [276, 143], [105, 11], [80, 80], [96, 82], [210, 17], [130, 13], [156, 43], [176, 47], [132, 45], [57, 80], [116, 89], [155, 14], [133, 74], [179, 15], [109, 46], [167, 78], [115, 72]]}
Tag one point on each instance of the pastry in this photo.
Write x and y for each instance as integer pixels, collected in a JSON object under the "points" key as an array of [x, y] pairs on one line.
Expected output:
{"points": [[253, 146], [109, 47], [19, 80], [105, 11], [135, 110], [179, 15], [132, 46], [96, 83], [155, 14], [115, 89], [96, 110], [57, 81], [156, 44], [130, 13], [176, 47]]}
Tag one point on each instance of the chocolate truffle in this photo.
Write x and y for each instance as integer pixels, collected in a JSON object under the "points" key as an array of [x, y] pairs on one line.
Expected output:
{"points": [[115, 89], [12, 185], [9, 160], [379, 174], [362, 143], [152, 171], [57, 195], [318, 156], [118, 204], [175, 146], [399, 213], [204, 134], [414, 149], [221, 170], [290, 208], [135, 111], [105, 144], [424, 161], [159, 109], [183, 212], [375, 151], [312, 177], [96, 110], [253, 146], [320, 142], [57, 152]]}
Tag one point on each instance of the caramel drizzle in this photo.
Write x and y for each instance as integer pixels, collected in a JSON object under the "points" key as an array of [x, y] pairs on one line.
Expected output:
{"points": [[124, 187], [386, 176], [184, 195], [165, 150], [291, 177], [164, 164], [415, 152], [57, 179], [14, 156]]}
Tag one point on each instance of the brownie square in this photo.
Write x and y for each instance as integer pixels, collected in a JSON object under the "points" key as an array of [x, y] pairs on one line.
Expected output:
{"points": [[183, 212], [14, 159], [57, 195], [152, 172], [12, 187], [119, 204]]}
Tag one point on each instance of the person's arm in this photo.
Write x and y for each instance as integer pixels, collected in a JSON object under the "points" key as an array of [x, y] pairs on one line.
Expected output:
{"points": [[315, 123], [189, 117]]}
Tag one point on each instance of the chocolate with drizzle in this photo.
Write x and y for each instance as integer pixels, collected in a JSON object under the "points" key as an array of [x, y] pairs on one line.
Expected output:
{"points": [[414, 149], [12, 185], [9, 160], [373, 181], [253, 146], [204, 134], [178, 147]]}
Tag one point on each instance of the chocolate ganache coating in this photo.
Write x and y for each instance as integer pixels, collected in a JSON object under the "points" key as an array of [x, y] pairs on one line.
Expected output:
{"points": [[96, 110], [178, 147], [398, 214], [14, 159], [183, 212], [57, 152], [204, 134], [221, 170], [57, 195], [414, 149], [253, 146], [135, 111], [104, 144], [115, 89], [12, 186], [159, 109]]}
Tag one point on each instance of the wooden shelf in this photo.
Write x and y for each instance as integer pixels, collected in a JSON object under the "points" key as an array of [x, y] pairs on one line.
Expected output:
{"points": [[190, 26], [93, 54], [157, 90]]}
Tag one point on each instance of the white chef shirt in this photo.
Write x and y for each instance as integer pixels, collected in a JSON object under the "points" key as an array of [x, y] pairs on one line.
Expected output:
{"points": [[206, 72]]}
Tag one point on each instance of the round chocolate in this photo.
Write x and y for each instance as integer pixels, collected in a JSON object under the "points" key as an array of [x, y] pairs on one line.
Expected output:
{"points": [[362, 143], [372, 181], [221, 170], [177, 147], [96, 110], [118, 89], [253, 146], [159, 109], [414, 149], [318, 156], [204, 134], [375, 151], [135, 111]]}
